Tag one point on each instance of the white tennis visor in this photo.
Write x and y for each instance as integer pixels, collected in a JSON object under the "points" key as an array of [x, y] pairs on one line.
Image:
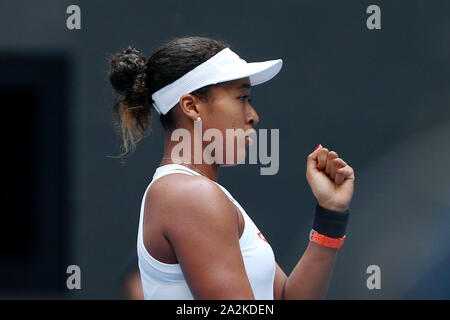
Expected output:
{"points": [[224, 66]]}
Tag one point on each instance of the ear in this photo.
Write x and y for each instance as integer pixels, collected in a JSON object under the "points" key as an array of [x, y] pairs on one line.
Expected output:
{"points": [[189, 106]]}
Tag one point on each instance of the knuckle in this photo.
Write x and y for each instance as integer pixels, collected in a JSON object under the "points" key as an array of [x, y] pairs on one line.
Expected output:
{"points": [[339, 162]]}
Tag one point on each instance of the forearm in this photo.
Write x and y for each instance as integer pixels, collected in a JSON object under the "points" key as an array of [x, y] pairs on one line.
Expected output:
{"points": [[332, 183], [311, 275]]}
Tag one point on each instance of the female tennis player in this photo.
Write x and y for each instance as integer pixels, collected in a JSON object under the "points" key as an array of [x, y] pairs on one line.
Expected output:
{"points": [[195, 241]]}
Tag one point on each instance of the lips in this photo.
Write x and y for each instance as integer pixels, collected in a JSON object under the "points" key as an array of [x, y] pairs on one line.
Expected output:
{"points": [[248, 139], [250, 132]]}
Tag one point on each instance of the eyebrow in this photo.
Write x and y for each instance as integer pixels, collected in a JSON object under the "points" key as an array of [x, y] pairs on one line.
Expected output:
{"points": [[244, 86]]}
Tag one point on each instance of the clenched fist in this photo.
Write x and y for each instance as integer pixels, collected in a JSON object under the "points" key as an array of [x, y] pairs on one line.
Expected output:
{"points": [[331, 179]]}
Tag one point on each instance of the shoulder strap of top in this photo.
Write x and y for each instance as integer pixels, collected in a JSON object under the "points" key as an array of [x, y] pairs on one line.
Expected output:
{"points": [[173, 168], [178, 168]]}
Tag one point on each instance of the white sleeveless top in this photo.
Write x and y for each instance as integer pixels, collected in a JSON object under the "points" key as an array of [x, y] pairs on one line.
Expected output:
{"points": [[162, 281]]}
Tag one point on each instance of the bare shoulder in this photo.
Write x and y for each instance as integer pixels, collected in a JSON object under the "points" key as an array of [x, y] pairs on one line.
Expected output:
{"points": [[186, 199], [201, 225]]}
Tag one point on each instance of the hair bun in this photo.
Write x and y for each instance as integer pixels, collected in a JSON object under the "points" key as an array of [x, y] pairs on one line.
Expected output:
{"points": [[127, 71]]}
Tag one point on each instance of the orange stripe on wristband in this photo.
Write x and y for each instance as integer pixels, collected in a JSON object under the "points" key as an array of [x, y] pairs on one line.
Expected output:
{"points": [[325, 241]]}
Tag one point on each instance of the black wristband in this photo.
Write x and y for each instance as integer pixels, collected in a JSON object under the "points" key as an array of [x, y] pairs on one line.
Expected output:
{"points": [[330, 223]]}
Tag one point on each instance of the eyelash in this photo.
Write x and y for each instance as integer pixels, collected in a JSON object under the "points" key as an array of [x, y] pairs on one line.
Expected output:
{"points": [[249, 100]]}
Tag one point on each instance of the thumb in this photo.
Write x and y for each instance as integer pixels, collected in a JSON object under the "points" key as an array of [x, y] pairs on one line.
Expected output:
{"points": [[311, 162]]}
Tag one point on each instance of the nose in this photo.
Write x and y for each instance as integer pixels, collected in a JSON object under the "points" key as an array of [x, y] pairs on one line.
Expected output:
{"points": [[253, 118]]}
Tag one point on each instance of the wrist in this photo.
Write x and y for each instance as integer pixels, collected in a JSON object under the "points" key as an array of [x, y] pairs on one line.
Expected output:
{"points": [[333, 207], [329, 222], [324, 241]]}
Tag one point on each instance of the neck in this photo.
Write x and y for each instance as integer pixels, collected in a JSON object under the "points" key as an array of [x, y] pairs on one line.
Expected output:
{"points": [[208, 170]]}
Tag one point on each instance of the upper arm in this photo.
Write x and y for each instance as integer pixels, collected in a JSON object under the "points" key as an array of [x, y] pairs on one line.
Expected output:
{"points": [[279, 283], [204, 236]]}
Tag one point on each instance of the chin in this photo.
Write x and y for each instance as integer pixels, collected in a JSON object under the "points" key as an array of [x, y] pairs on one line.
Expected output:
{"points": [[239, 158]]}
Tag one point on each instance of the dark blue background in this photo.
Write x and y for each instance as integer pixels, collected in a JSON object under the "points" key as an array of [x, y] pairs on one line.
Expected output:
{"points": [[379, 98]]}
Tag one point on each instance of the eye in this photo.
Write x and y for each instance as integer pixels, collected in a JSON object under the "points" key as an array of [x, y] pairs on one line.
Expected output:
{"points": [[242, 98]]}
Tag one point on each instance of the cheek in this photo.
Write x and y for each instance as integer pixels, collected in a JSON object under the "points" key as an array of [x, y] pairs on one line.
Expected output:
{"points": [[227, 114]]}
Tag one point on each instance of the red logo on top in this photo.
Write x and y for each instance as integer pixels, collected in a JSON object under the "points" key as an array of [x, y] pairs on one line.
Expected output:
{"points": [[262, 237]]}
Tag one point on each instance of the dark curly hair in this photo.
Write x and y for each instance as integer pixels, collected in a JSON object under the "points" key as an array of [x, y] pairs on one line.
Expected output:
{"points": [[135, 79]]}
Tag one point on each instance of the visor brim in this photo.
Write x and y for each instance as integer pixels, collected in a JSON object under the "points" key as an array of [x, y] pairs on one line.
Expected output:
{"points": [[258, 72]]}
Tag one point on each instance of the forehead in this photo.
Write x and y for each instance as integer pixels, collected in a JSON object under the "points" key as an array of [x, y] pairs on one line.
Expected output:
{"points": [[239, 84]]}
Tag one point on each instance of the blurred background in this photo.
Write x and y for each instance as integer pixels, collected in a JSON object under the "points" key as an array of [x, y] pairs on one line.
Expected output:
{"points": [[380, 98]]}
